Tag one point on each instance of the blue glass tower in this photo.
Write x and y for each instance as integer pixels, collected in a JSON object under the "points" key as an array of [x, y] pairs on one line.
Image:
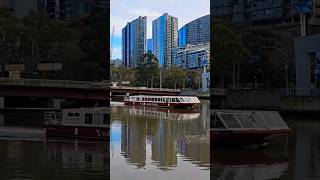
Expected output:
{"points": [[195, 32], [134, 41]]}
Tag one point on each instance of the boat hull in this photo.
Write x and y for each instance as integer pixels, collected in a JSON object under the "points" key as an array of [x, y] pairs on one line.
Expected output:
{"points": [[244, 138], [77, 132], [153, 104]]}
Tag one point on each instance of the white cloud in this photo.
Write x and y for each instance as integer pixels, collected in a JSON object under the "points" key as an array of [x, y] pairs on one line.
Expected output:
{"points": [[123, 11]]}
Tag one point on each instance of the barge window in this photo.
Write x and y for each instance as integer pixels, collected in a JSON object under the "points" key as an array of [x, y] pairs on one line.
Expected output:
{"points": [[230, 121], [88, 118]]}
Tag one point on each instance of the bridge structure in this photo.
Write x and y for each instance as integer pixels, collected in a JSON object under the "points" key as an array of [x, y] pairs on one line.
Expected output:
{"points": [[76, 90]]}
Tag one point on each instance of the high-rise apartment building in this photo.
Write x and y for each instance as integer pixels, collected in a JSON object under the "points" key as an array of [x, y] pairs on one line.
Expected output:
{"points": [[62, 9], [262, 11], [195, 32], [191, 56], [165, 38], [134, 37]]}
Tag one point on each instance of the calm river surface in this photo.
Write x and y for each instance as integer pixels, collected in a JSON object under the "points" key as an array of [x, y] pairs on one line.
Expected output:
{"points": [[160, 144], [154, 144], [294, 158]]}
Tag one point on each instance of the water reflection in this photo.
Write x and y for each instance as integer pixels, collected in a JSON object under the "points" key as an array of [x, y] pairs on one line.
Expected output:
{"points": [[25, 152], [166, 139], [53, 160], [295, 158], [238, 164]]}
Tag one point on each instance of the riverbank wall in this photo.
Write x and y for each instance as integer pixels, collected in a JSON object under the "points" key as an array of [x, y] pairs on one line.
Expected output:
{"points": [[267, 100]]}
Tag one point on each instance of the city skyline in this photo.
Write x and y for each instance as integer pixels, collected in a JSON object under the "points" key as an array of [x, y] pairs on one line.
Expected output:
{"points": [[124, 11]]}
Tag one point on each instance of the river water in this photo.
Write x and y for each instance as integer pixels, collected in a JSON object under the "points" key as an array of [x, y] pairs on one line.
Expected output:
{"points": [[157, 144], [154, 144]]}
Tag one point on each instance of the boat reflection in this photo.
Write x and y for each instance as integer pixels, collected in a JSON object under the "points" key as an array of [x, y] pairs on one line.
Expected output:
{"points": [[248, 164], [78, 154], [163, 113], [159, 136]]}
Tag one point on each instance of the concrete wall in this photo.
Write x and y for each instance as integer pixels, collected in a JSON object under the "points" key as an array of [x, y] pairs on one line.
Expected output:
{"points": [[254, 99], [267, 100], [300, 104]]}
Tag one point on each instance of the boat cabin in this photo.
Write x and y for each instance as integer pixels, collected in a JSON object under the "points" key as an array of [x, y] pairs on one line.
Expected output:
{"points": [[163, 99], [87, 117]]}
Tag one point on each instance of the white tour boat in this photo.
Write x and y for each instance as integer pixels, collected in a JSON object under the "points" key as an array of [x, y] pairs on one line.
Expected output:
{"points": [[162, 101]]}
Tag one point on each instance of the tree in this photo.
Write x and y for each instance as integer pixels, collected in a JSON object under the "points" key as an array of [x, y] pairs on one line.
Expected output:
{"points": [[268, 45], [227, 49], [10, 43], [148, 71], [192, 79], [174, 78]]}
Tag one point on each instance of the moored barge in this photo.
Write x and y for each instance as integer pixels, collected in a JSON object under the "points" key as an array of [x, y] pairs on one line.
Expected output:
{"points": [[162, 101], [241, 128]]}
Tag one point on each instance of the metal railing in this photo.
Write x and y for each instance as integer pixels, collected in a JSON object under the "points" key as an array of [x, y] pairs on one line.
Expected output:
{"points": [[55, 83], [145, 88]]}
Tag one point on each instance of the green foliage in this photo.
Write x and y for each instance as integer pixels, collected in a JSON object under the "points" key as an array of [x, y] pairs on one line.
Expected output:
{"points": [[148, 71], [232, 47], [80, 44], [175, 78], [193, 79]]}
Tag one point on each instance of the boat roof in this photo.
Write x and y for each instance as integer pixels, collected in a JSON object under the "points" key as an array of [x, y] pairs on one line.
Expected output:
{"points": [[164, 96], [240, 119]]}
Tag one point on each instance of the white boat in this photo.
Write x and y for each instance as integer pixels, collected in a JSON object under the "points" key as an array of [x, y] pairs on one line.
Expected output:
{"points": [[162, 101]]}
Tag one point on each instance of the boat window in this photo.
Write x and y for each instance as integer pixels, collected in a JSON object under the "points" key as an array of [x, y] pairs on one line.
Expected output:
{"points": [[181, 99], [70, 114], [76, 114], [106, 119], [138, 99], [88, 118], [177, 100]]}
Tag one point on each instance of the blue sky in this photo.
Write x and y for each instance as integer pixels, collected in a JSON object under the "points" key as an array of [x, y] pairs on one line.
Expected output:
{"points": [[123, 11]]}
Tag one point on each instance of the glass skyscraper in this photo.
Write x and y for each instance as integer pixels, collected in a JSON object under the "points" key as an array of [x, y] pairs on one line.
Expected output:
{"points": [[195, 32], [149, 45], [134, 37], [165, 37]]}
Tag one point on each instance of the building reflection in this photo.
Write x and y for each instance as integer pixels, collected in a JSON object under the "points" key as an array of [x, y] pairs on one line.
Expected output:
{"points": [[164, 145], [78, 154], [133, 141], [168, 137]]}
